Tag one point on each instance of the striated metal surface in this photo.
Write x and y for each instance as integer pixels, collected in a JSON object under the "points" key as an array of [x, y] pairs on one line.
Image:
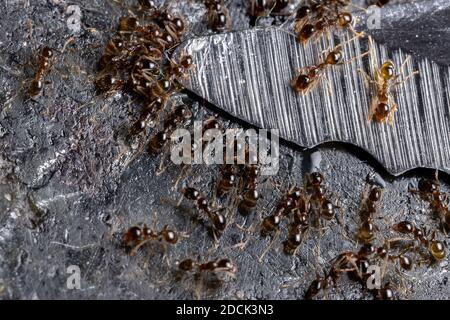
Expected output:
{"points": [[248, 74]]}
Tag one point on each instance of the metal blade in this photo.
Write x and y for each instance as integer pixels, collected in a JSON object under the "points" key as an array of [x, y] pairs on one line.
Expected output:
{"points": [[248, 73]]}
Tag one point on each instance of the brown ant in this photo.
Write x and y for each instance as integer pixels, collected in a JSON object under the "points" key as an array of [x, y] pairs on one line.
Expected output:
{"points": [[429, 191], [434, 247], [180, 115], [217, 219], [307, 78], [209, 129], [345, 262], [369, 207], [223, 265], [43, 68], [383, 106], [299, 225], [179, 69], [319, 200], [317, 17], [149, 112], [210, 273], [137, 236], [261, 8], [355, 265], [229, 171], [107, 82], [227, 180], [284, 207], [219, 19], [251, 194], [343, 20]]}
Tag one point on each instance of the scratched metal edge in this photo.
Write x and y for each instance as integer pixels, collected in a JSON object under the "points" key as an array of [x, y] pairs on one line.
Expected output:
{"points": [[336, 126]]}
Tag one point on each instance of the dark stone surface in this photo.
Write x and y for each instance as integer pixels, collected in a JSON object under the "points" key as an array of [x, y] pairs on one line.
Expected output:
{"points": [[68, 188]]}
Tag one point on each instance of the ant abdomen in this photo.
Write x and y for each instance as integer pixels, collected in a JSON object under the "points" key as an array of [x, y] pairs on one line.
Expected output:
{"points": [[186, 265], [249, 202], [437, 250], [294, 240], [219, 221], [327, 210], [315, 287], [157, 142], [227, 180], [270, 224]]}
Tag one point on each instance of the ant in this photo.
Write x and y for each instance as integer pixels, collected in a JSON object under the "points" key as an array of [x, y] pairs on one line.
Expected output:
{"points": [[369, 207], [137, 236], [215, 266], [219, 18], [217, 219], [356, 266], [210, 273], [210, 129], [319, 201], [430, 192], [344, 262], [343, 20], [174, 25], [227, 180], [434, 247], [180, 115], [43, 68], [298, 227], [315, 18], [107, 82], [251, 194], [284, 207], [307, 78], [151, 109], [179, 69], [385, 81], [229, 172], [259, 8]]}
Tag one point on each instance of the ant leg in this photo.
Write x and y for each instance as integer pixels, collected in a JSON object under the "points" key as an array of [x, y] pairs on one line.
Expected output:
{"points": [[355, 58], [272, 241], [359, 35], [136, 247], [358, 7], [406, 79], [392, 113], [366, 76], [372, 110], [329, 86]]}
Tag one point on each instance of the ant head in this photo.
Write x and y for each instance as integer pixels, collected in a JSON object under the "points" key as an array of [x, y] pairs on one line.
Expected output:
{"points": [[190, 193], [169, 236], [388, 70], [47, 52], [345, 19], [303, 12], [128, 24], [334, 57]]}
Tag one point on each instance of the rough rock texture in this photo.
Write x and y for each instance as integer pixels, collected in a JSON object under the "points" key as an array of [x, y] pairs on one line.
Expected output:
{"points": [[68, 187]]}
